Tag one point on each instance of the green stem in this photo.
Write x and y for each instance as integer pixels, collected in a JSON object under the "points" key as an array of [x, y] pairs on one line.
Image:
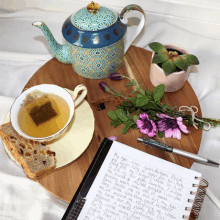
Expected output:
{"points": [[117, 94], [212, 121], [137, 87]]}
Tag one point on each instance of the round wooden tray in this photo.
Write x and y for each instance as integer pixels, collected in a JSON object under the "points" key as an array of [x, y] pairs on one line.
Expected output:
{"points": [[64, 182]]}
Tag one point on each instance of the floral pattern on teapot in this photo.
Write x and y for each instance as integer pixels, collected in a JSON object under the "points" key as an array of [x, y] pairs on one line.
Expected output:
{"points": [[92, 22], [97, 63]]}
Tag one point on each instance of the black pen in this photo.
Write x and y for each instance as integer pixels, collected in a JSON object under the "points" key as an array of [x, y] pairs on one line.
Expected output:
{"points": [[158, 145]]}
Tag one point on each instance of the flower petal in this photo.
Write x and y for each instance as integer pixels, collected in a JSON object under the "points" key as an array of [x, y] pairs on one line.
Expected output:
{"points": [[139, 123], [154, 126], [160, 122], [164, 116], [144, 115], [113, 138], [182, 127], [177, 134], [179, 119], [144, 131], [152, 134], [168, 133], [161, 125], [160, 115], [160, 129]]}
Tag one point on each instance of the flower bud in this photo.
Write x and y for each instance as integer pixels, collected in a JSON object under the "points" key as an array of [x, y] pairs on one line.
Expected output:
{"points": [[115, 76], [104, 87]]}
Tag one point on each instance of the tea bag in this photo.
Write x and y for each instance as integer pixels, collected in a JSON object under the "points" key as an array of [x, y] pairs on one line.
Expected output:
{"points": [[39, 107]]}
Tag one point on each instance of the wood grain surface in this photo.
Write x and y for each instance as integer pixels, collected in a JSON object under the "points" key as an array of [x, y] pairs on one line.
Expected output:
{"points": [[64, 182]]}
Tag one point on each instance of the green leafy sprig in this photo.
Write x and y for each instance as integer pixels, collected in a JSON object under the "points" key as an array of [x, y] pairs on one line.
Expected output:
{"points": [[128, 112], [151, 103]]}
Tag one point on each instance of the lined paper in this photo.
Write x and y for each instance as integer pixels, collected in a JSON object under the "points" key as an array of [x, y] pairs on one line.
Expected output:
{"points": [[133, 185]]}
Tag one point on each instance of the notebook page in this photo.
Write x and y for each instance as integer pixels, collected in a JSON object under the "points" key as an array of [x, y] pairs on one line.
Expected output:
{"points": [[133, 185]]}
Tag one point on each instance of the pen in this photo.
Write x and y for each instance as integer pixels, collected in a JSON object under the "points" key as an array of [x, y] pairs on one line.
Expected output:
{"points": [[170, 149]]}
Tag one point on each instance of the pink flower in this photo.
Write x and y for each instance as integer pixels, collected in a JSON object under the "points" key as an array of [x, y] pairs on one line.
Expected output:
{"points": [[171, 126], [113, 138], [146, 125]]}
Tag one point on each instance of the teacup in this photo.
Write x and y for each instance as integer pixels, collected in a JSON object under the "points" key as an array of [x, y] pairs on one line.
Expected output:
{"points": [[72, 101]]}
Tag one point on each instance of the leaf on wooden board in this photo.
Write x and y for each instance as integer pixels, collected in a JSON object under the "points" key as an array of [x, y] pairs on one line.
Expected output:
{"points": [[125, 103], [127, 125], [134, 126], [151, 105], [135, 117], [122, 114], [139, 95], [115, 123], [132, 100], [112, 115], [158, 92], [142, 101]]}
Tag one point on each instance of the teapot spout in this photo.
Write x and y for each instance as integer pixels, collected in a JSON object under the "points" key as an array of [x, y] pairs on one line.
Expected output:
{"points": [[61, 52]]}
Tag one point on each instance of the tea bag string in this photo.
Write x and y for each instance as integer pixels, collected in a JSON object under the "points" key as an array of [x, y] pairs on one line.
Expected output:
{"points": [[193, 110]]}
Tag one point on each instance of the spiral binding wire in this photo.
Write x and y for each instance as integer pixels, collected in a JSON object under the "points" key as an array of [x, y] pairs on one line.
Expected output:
{"points": [[199, 197], [194, 211], [76, 211]]}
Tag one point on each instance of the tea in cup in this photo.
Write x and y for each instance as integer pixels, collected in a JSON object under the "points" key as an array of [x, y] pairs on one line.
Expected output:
{"points": [[43, 112]]}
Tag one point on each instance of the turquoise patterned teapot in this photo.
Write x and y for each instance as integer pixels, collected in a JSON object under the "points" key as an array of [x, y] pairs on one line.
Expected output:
{"points": [[94, 40]]}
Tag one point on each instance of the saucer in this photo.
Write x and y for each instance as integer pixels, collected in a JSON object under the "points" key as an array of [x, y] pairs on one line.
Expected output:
{"points": [[75, 140]]}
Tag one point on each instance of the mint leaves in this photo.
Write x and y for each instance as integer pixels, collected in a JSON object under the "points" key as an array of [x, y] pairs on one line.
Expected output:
{"points": [[128, 112], [121, 116]]}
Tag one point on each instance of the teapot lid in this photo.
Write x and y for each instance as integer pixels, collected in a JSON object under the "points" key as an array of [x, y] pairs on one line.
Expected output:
{"points": [[93, 17]]}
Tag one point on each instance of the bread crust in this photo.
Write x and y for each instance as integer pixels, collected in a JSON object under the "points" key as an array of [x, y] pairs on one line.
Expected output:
{"points": [[18, 155]]}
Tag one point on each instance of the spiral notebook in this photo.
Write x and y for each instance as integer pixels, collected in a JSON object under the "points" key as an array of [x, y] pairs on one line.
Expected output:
{"points": [[125, 183]]}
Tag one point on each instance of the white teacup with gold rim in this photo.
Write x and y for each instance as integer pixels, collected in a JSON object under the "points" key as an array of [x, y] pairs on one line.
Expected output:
{"points": [[44, 112]]}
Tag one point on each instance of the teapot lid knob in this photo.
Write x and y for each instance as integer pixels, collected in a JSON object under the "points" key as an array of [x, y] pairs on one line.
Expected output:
{"points": [[93, 7]]}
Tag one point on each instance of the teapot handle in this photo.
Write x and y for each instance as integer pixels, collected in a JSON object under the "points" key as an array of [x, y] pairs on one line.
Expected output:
{"points": [[124, 11]]}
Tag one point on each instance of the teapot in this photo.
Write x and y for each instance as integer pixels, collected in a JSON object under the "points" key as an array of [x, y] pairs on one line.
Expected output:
{"points": [[94, 43]]}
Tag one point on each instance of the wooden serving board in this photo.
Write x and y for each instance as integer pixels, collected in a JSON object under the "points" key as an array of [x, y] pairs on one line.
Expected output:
{"points": [[64, 182]]}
